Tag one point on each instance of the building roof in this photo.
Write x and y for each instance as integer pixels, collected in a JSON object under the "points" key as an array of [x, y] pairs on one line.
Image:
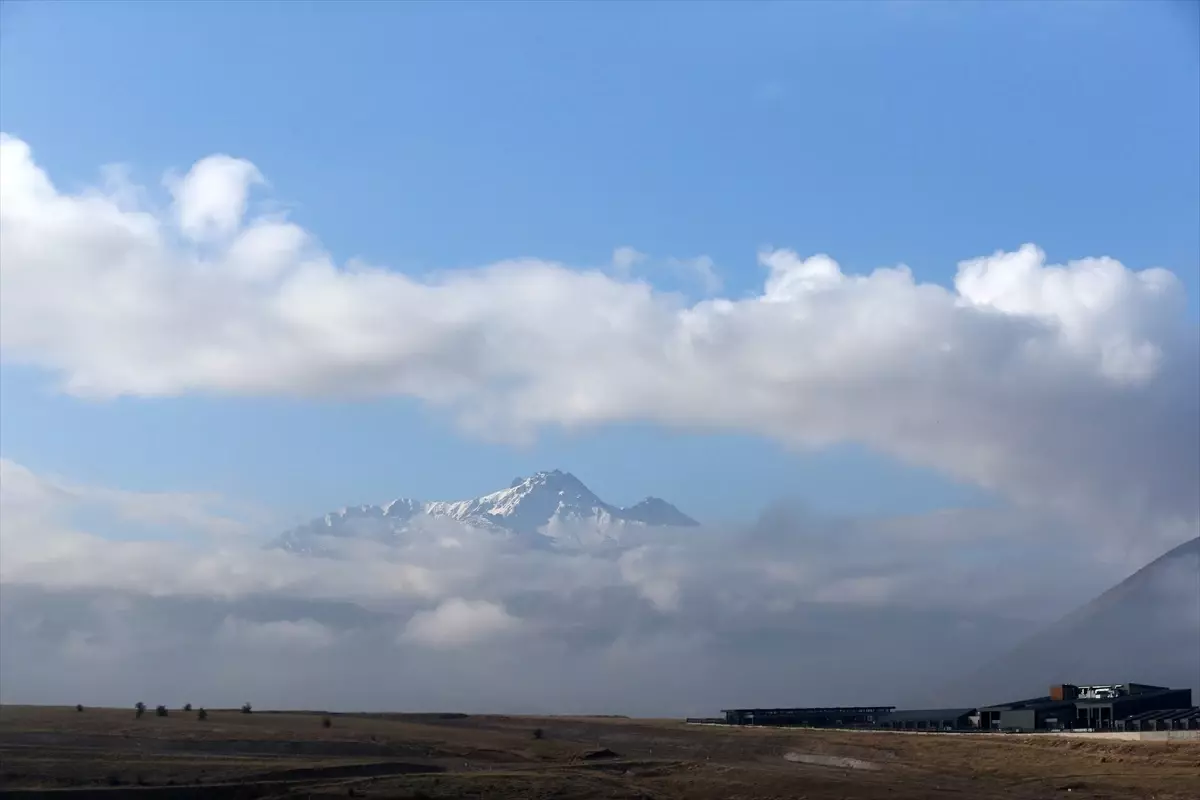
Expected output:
{"points": [[1128, 698], [1165, 714], [1034, 703], [921, 715], [815, 710]]}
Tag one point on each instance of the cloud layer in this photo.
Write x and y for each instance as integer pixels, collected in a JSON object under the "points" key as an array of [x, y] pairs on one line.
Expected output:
{"points": [[448, 616], [1071, 387]]}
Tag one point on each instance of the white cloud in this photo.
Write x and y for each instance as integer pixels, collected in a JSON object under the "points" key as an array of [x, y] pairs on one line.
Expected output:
{"points": [[210, 200], [46, 541], [21, 489], [1072, 388], [655, 574], [458, 622]]}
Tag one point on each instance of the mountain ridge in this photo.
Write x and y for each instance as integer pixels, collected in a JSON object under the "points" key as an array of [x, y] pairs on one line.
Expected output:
{"points": [[551, 504]]}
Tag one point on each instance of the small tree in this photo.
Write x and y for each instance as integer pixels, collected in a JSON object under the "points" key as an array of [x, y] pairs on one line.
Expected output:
{"points": [[538, 733], [326, 722], [202, 715], [79, 707], [247, 708], [187, 706], [160, 711], [138, 709]]}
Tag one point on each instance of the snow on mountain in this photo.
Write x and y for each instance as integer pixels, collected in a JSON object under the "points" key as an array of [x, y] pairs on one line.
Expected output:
{"points": [[554, 506]]}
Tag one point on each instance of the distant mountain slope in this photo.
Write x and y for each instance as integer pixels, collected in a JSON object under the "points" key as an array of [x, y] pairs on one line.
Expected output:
{"points": [[1145, 629], [554, 505]]}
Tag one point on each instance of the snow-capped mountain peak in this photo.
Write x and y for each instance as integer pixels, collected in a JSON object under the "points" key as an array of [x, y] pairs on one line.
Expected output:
{"points": [[551, 504], [543, 489]]}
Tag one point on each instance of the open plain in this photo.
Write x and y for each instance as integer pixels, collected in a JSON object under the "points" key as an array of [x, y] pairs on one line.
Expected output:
{"points": [[49, 751]]}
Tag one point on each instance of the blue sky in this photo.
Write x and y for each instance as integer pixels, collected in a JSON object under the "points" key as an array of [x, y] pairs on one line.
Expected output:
{"points": [[422, 136]]}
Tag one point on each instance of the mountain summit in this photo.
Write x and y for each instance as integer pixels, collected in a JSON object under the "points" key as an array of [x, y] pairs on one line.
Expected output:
{"points": [[553, 505]]}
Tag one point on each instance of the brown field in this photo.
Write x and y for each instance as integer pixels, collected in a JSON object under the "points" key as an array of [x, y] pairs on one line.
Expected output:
{"points": [[107, 753]]}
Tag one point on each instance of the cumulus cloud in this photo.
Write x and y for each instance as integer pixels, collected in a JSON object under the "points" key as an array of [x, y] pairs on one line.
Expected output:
{"points": [[1070, 387], [210, 200]]}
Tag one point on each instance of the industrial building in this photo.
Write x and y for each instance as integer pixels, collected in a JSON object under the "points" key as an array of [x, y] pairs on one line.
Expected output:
{"points": [[1113, 706], [1168, 719], [1037, 713], [934, 719], [1097, 707], [826, 717], [1102, 706]]}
